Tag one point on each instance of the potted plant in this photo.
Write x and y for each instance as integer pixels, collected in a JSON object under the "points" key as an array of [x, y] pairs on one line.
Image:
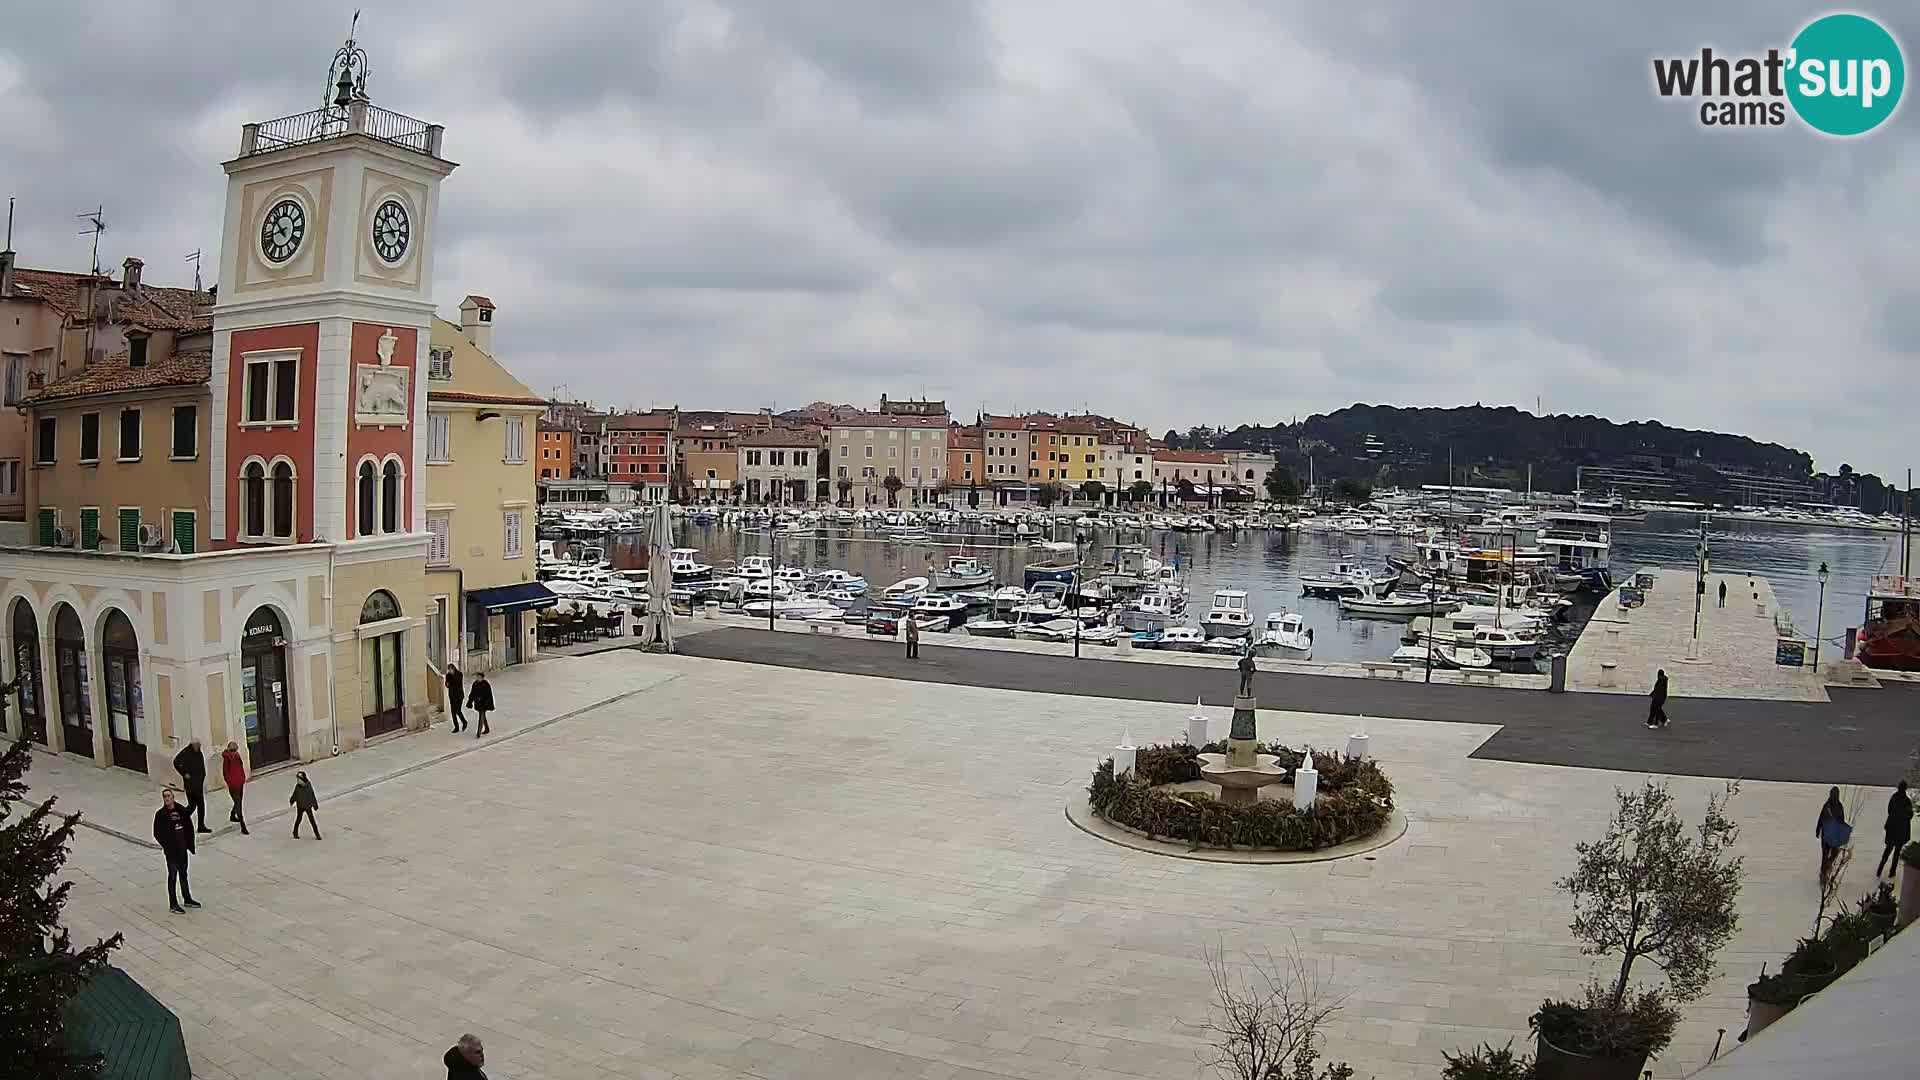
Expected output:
{"points": [[1850, 936], [1648, 887], [1816, 962], [1880, 907], [1771, 997], [1599, 1037], [1909, 885], [1486, 1063]]}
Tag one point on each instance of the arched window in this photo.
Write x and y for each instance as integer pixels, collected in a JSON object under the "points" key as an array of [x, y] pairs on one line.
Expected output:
{"points": [[253, 497], [283, 500], [390, 498], [367, 498], [380, 606]]}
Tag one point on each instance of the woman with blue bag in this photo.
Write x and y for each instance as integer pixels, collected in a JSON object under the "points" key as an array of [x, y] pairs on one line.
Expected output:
{"points": [[1832, 829]]}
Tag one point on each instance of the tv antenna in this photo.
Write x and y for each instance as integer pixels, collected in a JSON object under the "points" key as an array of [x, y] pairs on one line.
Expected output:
{"points": [[96, 224]]}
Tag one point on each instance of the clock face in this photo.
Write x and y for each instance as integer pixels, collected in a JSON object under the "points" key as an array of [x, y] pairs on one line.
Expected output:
{"points": [[282, 230], [391, 231]]}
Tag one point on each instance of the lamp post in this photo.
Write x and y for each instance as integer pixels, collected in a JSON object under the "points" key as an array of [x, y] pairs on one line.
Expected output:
{"points": [[1819, 618], [1432, 602], [1699, 587], [1078, 557]]}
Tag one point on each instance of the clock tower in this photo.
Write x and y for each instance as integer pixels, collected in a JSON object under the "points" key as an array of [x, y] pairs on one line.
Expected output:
{"points": [[318, 432]]}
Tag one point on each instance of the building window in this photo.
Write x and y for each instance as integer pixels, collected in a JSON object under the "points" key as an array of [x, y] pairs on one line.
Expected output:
{"points": [[368, 497], [136, 350], [843, 472], [776, 457], [186, 431], [283, 500], [753, 457], [272, 390], [869, 451], [43, 445], [129, 434], [437, 437], [439, 529], [893, 451], [916, 474], [440, 363], [510, 543], [516, 435], [843, 446], [183, 533], [10, 478], [16, 378], [89, 438], [253, 500], [129, 531], [390, 497]]}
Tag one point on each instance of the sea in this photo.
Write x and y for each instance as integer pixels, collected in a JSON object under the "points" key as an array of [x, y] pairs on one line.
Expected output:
{"points": [[1269, 565]]}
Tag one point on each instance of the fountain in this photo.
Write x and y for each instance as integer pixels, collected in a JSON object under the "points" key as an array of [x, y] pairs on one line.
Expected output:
{"points": [[1240, 772]]}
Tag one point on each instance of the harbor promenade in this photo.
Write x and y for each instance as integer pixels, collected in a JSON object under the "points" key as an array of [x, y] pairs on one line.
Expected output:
{"points": [[1621, 649], [729, 869]]}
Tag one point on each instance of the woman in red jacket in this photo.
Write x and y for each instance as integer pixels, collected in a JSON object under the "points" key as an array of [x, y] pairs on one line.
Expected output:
{"points": [[234, 772]]}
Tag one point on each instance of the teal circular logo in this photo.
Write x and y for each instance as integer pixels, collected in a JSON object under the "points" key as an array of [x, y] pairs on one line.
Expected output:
{"points": [[1846, 76]]}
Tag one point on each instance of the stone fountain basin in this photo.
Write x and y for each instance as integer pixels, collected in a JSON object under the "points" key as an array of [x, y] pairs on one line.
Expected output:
{"points": [[1264, 770]]}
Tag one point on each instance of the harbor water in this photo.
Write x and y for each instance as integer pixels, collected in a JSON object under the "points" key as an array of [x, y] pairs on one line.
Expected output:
{"points": [[1269, 564]]}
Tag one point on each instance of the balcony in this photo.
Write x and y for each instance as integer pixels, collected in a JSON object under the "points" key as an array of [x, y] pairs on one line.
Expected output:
{"points": [[359, 118]]}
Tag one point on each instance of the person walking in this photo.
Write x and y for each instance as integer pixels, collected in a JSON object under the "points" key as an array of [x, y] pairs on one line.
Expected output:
{"points": [[480, 699], [1657, 710], [1723, 594], [234, 772], [1899, 829], [191, 764], [173, 831], [1832, 829], [465, 1058], [913, 636], [455, 685], [304, 802]]}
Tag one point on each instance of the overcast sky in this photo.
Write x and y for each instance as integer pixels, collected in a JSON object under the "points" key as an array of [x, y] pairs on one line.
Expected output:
{"points": [[1176, 212]]}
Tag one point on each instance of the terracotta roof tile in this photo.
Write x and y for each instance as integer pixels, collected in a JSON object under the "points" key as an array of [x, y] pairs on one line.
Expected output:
{"points": [[483, 399], [113, 376], [150, 307], [480, 300], [641, 422], [880, 420], [785, 437]]}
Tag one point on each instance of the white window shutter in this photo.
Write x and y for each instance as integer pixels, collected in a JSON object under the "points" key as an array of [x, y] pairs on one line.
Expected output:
{"points": [[437, 529]]}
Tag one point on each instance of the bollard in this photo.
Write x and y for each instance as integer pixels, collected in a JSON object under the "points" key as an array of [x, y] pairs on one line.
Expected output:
{"points": [[1124, 754], [711, 608], [1306, 782], [1197, 726], [1357, 745]]}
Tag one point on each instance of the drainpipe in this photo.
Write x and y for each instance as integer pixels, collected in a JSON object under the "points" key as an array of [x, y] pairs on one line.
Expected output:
{"points": [[333, 697]]}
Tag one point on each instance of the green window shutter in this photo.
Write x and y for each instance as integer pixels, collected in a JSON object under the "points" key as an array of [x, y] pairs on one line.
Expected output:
{"points": [[183, 530], [129, 529], [89, 529], [49, 520]]}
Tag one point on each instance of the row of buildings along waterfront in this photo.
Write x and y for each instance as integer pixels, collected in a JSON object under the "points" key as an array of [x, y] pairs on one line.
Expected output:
{"points": [[273, 511], [901, 453]]}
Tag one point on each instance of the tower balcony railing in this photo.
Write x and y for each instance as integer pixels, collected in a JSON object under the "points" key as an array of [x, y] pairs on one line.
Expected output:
{"points": [[358, 118]]}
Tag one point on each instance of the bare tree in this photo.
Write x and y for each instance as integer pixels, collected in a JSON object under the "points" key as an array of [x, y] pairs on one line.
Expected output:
{"points": [[1266, 1018], [1647, 889]]}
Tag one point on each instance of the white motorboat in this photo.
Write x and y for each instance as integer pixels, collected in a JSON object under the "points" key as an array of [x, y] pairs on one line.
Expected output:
{"points": [[687, 567], [930, 623], [1047, 600], [840, 598], [766, 587], [962, 572], [1447, 657], [1100, 635], [1047, 630], [1181, 639], [1501, 643], [974, 598], [797, 607], [1152, 611], [792, 575], [1286, 633], [906, 589], [1228, 617], [842, 579], [941, 605], [1224, 646], [1375, 605], [1507, 618], [1347, 579]]}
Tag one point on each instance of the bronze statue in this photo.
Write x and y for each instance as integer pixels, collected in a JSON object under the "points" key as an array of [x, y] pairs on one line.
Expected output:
{"points": [[1246, 674]]}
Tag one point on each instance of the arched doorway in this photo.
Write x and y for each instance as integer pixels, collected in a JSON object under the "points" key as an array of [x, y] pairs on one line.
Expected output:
{"points": [[381, 667], [26, 668], [120, 664], [70, 674], [264, 709]]}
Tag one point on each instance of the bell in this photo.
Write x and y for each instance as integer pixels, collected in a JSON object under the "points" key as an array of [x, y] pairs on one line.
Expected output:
{"points": [[343, 90]]}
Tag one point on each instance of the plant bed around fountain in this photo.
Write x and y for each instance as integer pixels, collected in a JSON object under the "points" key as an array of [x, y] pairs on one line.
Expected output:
{"points": [[1355, 801]]}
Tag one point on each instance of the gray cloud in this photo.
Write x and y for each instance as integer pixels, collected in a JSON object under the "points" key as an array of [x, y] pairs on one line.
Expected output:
{"points": [[1241, 212]]}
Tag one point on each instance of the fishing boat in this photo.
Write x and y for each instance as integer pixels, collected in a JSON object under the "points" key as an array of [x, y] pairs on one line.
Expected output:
{"points": [[1047, 630], [1180, 639], [840, 598], [1286, 633], [1347, 579], [792, 575], [842, 579], [942, 606], [1448, 657], [795, 607], [1152, 611], [1224, 646], [962, 572], [1047, 600], [1890, 633], [930, 623], [1228, 617], [687, 567], [1375, 604], [1035, 573], [766, 587]]}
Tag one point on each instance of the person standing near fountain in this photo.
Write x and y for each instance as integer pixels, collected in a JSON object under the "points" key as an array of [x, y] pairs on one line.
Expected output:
{"points": [[913, 636]]}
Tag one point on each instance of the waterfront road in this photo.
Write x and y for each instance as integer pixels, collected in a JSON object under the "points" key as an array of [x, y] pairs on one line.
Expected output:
{"points": [[1864, 736]]}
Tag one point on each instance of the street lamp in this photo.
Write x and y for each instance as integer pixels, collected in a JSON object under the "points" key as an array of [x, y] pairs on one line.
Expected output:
{"points": [[1819, 618], [1075, 599], [1432, 603]]}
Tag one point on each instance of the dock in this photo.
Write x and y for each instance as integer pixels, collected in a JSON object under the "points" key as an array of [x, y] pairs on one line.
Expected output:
{"points": [[1620, 651]]}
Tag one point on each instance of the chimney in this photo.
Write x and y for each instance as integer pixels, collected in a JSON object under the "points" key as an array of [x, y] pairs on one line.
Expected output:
{"points": [[6, 273], [130, 278], [476, 322]]}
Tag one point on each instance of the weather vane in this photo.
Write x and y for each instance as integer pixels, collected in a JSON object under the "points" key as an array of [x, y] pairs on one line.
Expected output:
{"points": [[347, 74]]}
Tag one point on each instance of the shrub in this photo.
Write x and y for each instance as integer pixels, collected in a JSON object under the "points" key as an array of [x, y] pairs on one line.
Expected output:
{"points": [[1911, 854], [1781, 988], [1486, 1063], [1354, 800], [1641, 1023]]}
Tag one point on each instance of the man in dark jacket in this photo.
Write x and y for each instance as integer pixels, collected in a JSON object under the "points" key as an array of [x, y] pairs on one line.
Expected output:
{"points": [[173, 831], [465, 1058], [1899, 829], [455, 687], [480, 698], [1657, 712], [191, 764]]}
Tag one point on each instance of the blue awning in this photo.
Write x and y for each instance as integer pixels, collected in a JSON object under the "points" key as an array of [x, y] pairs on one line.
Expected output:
{"points": [[522, 597]]}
